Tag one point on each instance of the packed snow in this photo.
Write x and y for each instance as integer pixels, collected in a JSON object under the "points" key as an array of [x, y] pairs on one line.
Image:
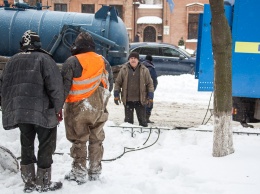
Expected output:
{"points": [[163, 162]]}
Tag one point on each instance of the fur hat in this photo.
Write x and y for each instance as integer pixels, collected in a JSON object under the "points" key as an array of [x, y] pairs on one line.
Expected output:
{"points": [[83, 43], [133, 54]]}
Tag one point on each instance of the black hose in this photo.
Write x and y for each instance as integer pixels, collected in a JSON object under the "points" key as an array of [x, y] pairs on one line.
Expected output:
{"points": [[207, 111], [126, 149]]}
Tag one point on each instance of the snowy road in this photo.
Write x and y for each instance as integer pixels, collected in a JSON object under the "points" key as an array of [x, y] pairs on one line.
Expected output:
{"points": [[166, 114], [178, 104]]}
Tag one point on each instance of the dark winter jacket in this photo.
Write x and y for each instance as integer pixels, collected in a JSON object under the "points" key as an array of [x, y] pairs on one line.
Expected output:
{"points": [[110, 75], [152, 71], [146, 83], [32, 90]]}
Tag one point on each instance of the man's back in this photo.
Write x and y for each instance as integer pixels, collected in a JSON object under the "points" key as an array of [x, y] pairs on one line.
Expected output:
{"points": [[32, 90]]}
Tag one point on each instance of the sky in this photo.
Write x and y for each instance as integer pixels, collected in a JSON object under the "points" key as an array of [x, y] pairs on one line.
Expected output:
{"points": [[179, 162]]}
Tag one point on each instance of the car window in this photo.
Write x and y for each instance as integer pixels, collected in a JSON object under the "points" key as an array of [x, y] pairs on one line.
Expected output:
{"points": [[170, 52], [136, 50], [184, 52], [149, 50]]}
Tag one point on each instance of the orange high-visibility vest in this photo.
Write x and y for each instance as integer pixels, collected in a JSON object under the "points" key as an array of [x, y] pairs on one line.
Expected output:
{"points": [[93, 73]]}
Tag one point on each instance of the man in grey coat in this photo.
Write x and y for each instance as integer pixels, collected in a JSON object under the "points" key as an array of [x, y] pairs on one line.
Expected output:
{"points": [[135, 85], [32, 98]]}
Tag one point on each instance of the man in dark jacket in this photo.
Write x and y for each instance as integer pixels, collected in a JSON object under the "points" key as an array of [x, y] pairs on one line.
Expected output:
{"points": [[32, 98], [137, 37], [86, 91], [137, 89], [149, 64]]}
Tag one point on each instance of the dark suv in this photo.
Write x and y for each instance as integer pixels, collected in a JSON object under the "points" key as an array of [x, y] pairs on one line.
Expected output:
{"points": [[168, 59]]}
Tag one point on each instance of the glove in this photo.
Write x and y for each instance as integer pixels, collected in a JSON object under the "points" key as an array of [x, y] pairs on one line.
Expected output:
{"points": [[150, 99], [117, 100], [150, 103], [59, 116]]}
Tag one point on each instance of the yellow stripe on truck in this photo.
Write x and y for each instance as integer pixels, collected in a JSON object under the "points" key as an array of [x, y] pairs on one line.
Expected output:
{"points": [[247, 47]]}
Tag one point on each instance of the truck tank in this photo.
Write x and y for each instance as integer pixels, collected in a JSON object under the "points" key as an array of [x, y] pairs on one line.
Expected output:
{"points": [[58, 31]]}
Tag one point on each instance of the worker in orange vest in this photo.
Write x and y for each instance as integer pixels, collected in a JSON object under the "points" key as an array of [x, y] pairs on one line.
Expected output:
{"points": [[85, 83]]}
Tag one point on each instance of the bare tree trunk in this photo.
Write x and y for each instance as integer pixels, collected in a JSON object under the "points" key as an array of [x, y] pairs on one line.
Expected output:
{"points": [[222, 50]]}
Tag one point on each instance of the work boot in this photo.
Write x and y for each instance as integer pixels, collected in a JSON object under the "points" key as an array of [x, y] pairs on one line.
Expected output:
{"points": [[93, 177], [80, 179], [143, 124], [78, 172], [94, 171], [70, 176], [246, 125], [148, 119], [43, 181], [28, 176]]}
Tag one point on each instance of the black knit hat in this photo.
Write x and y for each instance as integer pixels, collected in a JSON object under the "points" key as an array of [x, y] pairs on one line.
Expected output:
{"points": [[133, 54], [149, 57], [30, 41]]}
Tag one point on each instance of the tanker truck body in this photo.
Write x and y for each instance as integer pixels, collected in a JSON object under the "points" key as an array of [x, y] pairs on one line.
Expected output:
{"points": [[58, 31], [244, 25]]}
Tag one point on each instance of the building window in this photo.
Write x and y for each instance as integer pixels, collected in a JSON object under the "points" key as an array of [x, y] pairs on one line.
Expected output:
{"points": [[60, 7], [119, 9], [88, 8], [193, 26]]}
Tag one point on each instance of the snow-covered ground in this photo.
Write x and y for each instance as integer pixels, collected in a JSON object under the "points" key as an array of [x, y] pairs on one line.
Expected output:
{"points": [[180, 161]]}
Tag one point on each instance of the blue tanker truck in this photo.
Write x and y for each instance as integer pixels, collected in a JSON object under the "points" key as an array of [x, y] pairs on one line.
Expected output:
{"points": [[58, 30], [243, 19]]}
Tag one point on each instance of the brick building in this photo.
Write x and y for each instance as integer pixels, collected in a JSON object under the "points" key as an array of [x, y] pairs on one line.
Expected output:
{"points": [[152, 18]]}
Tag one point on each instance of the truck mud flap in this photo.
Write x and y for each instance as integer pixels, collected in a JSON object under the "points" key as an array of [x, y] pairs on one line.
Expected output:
{"points": [[244, 109]]}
